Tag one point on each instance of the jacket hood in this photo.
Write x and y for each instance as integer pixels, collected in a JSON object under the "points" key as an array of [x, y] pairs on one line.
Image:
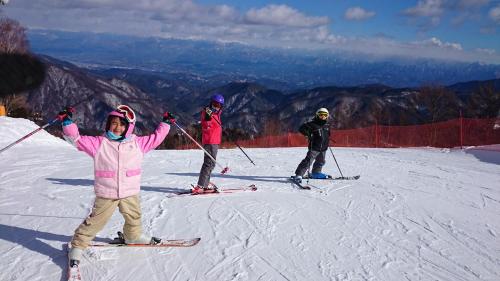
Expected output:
{"points": [[129, 128]]}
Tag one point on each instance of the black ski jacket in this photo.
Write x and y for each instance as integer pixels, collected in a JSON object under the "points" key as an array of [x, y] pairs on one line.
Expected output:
{"points": [[318, 133]]}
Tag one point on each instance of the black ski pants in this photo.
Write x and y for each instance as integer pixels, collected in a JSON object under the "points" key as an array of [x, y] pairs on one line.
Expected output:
{"points": [[319, 160]]}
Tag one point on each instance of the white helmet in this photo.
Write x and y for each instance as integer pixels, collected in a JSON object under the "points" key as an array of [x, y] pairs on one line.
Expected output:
{"points": [[322, 111]]}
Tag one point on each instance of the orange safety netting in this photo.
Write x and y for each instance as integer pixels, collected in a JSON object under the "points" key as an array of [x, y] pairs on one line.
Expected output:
{"points": [[451, 133]]}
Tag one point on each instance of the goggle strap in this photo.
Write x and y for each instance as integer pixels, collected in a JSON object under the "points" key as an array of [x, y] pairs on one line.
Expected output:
{"points": [[127, 111]]}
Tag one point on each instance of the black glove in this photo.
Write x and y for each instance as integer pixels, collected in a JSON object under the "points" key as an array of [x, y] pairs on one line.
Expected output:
{"points": [[169, 118], [66, 113]]}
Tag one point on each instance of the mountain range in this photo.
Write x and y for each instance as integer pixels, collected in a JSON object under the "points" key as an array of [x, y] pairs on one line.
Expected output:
{"points": [[216, 64], [251, 109]]}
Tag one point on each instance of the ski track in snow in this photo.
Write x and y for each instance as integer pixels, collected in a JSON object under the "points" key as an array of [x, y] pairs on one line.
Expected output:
{"points": [[415, 214]]}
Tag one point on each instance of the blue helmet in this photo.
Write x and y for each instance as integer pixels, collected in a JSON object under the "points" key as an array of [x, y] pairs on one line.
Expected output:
{"points": [[218, 98]]}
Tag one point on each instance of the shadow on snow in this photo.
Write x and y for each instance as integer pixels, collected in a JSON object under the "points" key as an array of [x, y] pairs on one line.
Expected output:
{"points": [[88, 182]]}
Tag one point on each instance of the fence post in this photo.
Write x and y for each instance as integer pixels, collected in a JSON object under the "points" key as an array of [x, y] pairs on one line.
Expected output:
{"points": [[461, 130]]}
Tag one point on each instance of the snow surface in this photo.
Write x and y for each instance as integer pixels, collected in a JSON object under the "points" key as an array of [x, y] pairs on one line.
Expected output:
{"points": [[415, 214]]}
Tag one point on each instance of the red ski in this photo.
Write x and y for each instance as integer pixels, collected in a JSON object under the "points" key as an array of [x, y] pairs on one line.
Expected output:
{"points": [[165, 243], [218, 191]]}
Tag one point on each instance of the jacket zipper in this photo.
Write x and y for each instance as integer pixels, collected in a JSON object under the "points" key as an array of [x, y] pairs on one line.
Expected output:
{"points": [[118, 172]]}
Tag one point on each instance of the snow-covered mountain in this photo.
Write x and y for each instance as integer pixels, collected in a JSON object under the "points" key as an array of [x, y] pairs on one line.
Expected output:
{"points": [[415, 214], [289, 68], [250, 107], [93, 96]]}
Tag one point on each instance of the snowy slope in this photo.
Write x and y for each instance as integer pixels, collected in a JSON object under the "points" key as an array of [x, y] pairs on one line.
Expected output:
{"points": [[415, 214]]}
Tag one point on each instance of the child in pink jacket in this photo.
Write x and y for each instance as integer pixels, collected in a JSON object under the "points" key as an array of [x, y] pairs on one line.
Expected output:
{"points": [[118, 156]]}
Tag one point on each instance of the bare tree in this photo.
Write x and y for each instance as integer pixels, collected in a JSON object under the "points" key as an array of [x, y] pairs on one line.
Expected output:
{"points": [[484, 102], [441, 103], [12, 37], [8, 102], [272, 127], [19, 69]]}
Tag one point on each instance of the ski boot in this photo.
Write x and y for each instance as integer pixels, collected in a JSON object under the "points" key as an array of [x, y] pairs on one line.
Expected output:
{"points": [[143, 239], [319, 176], [75, 255], [74, 263], [210, 188], [197, 189]]}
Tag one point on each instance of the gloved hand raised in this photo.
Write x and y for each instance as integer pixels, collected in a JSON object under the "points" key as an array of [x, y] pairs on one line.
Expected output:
{"points": [[66, 113], [169, 118], [208, 111]]}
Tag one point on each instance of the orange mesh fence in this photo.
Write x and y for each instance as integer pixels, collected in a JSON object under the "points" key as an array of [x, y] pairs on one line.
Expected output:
{"points": [[481, 131], [451, 133], [287, 140]]}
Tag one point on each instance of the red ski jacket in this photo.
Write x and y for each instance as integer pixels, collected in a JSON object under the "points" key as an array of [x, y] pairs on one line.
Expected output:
{"points": [[211, 132]]}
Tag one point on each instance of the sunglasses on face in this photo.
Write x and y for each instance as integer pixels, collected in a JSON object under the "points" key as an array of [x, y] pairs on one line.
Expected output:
{"points": [[323, 114], [127, 111]]}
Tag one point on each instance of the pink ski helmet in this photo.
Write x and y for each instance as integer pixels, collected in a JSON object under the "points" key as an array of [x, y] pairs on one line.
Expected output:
{"points": [[125, 113]]}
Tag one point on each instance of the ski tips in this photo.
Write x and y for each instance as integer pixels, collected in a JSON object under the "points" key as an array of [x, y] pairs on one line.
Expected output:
{"points": [[225, 170]]}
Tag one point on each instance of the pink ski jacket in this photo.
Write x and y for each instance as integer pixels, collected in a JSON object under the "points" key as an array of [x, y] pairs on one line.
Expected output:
{"points": [[117, 165]]}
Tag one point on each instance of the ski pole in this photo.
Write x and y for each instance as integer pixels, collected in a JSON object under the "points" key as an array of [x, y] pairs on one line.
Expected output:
{"points": [[58, 118], [251, 161], [336, 161], [243, 152], [224, 170], [30, 134]]}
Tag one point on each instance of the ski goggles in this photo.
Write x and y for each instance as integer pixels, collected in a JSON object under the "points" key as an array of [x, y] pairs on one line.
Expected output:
{"points": [[323, 114], [127, 112], [216, 104]]}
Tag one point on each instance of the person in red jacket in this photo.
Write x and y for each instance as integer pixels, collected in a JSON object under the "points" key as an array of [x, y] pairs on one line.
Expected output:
{"points": [[211, 135]]}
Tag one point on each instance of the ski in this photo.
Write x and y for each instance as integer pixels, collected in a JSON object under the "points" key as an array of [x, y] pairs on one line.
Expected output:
{"points": [[347, 178], [298, 184], [166, 243], [252, 187], [336, 178]]}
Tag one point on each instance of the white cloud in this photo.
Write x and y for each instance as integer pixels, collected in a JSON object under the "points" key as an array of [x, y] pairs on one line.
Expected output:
{"points": [[494, 14], [438, 43], [270, 26], [426, 14], [432, 48], [282, 15], [426, 8], [485, 51], [358, 13]]}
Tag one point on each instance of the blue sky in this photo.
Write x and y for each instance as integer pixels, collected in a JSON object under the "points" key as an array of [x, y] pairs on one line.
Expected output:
{"points": [[460, 21], [459, 30]]}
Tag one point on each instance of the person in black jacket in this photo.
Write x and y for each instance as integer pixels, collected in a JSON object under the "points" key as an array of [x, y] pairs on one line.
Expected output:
{"points": [[318, 133]]}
